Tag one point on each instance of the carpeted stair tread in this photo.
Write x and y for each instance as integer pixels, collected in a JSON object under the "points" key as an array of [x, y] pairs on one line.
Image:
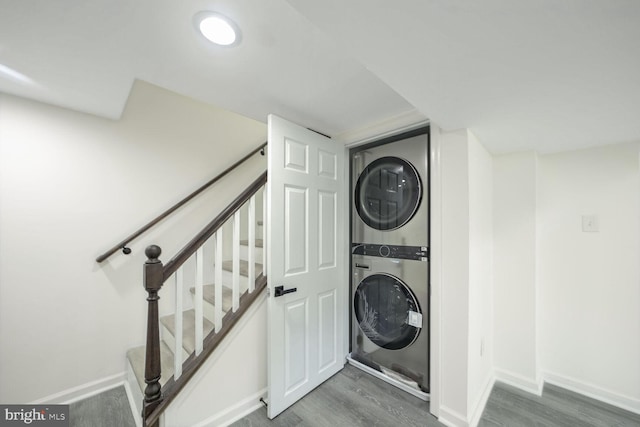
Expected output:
{"points": [[259, 243], [244, 267], [188, 328], [208, 294], [136, 359]]}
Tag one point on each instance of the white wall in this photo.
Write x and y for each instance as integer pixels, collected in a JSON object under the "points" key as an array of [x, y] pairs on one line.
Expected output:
{"points": [[567, 302], [72, 185], [590, 281], [454, 287], [563, 305], [515, 276], [480, 277], [465, 288]]}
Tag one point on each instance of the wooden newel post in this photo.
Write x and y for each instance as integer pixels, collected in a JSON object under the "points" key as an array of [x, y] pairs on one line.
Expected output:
{"points": [[153, 276]]}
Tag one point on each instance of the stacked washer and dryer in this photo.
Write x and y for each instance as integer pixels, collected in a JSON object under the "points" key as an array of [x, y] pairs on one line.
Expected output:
{"points": [[390, 261]]}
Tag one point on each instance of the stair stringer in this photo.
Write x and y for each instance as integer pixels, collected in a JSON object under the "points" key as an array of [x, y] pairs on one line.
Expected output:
{"points": [[231, 382]]}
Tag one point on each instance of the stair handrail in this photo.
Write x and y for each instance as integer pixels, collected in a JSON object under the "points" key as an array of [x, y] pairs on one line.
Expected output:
{"points": [[155, 274], [123, 244], [190, 248]]}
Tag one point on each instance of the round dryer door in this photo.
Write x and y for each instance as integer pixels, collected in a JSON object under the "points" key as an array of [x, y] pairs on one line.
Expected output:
{"points": [[388, 193], [382, 306]]}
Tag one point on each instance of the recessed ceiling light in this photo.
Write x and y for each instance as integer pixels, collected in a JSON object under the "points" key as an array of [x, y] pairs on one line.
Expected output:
{"points": [[217, 28]]}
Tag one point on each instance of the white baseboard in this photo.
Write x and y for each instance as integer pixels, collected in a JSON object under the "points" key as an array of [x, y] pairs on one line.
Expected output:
{"points": [[83, 391], [451, 418], [134, 395], [519, 381], [236, 412], [590, 390], [478, 409]]}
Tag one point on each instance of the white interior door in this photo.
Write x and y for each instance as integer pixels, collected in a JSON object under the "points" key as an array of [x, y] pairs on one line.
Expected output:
{"points": [[306, 244]]}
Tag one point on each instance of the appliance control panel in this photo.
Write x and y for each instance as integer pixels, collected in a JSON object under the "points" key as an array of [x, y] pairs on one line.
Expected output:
{"points": [[416, 253]]}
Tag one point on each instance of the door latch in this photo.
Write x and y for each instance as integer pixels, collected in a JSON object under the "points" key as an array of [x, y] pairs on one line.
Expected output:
{"points": [[278, 291]]}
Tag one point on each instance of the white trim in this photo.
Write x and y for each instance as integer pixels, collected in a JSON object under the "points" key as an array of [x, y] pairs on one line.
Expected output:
{"points": [[417, 393], [217, 265], [403, 122], [536, 282], [131, 397], [451, 418], [436, 268], [83, 391], [235, 296], [595, 392], [521, 382], [177, 325], [198, 303], [476, 414], [236, 412], [346, 297], [251, 243]]}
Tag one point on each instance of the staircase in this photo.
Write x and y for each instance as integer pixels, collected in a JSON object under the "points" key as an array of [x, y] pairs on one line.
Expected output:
{"points": [[168, 322], [135, 356], [215, 278]]}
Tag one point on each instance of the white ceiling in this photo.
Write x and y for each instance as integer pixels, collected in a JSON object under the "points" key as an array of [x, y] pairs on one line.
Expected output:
{"points": [[547, 74]]}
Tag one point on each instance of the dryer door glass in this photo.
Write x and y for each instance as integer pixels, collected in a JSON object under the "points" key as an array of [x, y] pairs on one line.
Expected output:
{"points": [[388, 193], [382, 304]]}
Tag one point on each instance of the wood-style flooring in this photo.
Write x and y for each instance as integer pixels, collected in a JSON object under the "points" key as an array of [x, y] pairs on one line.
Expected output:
{"points": [[509, 407], [108, 409], [350, 398], [355, 398]]}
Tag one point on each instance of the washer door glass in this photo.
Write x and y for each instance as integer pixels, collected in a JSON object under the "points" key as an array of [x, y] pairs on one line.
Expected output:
{"points": [[382, 303], [388, 193]]}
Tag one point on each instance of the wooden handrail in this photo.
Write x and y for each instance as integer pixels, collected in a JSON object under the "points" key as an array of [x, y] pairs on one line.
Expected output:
{"points": [[191, 247], [123, 244]]}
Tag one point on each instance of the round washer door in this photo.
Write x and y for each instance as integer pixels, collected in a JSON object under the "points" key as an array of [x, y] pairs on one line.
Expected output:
{"points": [[381, 304], [388, 193]]}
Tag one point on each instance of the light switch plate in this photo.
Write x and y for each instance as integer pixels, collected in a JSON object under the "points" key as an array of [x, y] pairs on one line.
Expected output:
{"points": [[590, 223]]}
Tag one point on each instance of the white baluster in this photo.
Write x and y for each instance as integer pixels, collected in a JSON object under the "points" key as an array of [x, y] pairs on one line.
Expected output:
{"points": [[217, 292], [177, 349], [236, 261], [251, 256], [198, 298], [264, 231]]}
